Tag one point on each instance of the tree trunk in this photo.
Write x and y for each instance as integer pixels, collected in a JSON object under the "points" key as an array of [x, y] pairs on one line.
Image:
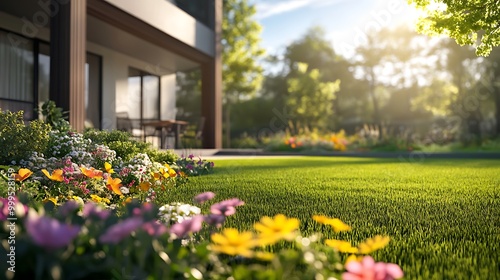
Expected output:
{"points": [[497, 103], [228, 124], [376, 113]]}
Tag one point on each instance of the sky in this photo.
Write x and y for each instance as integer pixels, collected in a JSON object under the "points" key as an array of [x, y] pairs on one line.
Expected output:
{"points": [[345, 21]]}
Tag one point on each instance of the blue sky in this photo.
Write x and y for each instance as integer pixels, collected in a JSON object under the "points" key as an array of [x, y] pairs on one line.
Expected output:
{"points": [[344, 21]]}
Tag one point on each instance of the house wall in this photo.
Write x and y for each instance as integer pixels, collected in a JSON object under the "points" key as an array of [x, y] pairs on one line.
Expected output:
{"points": [[167, 17]]}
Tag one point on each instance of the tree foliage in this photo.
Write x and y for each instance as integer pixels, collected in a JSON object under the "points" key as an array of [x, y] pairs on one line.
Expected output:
{"points": [[241, 73], [469, 22], [309, 99]]}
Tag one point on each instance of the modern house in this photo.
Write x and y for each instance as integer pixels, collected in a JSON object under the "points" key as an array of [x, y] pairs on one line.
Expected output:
{"points": [[99, 59]]}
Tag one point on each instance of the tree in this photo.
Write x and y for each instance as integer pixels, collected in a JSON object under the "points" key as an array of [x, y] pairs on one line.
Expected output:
{"points": [[469, 22], [242, 75], [370, 57], [309, 100]]}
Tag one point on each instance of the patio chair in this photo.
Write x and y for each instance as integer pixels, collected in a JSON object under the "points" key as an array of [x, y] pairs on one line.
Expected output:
{"points": [[132, 126], [196, 135]]}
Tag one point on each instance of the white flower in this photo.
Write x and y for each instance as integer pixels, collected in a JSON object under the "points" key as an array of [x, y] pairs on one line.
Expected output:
{"points": [[124, 190]]}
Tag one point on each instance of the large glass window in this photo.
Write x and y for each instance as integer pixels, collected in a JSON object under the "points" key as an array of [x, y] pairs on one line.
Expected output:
{"points": [[16, 73], [43, 74], [25, 77], [143, 101]]}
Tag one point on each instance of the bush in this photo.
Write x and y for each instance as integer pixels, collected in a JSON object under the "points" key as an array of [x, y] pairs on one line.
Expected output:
{"points": [[19, 140], [126, 148]]}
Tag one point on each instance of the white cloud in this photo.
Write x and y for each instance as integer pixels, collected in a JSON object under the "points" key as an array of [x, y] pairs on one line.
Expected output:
{"points": [[267, 8]]}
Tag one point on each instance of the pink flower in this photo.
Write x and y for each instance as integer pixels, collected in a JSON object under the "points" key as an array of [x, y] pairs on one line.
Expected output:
{"points": [[48, 232], [367, 269], [187, 226], [226, 207], [154, 228], [119, 231], [15, 206], [202, 197]]}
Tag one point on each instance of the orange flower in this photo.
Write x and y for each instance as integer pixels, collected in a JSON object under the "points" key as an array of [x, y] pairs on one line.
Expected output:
{"points": [[57, 175], [293, 146], [91, 172], [114, 185], [22, 174], [145, 186]]}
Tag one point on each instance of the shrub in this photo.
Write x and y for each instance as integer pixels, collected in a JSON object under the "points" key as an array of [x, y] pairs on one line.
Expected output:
{"points": [[18, 140], [126, 148]]}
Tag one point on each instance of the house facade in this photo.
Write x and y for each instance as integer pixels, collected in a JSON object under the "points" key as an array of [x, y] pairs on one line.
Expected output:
{"points": [[100, 59]]}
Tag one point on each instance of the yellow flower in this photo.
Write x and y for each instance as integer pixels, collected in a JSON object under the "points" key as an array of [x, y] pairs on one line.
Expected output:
{"points": [[156, 175], [22, 174], [91, 172], [78, 200], [172, 173], [264, 256], [144, 186], [126, 201], [272, 230], [233, 243], [51, 199], [57, 175], [341, 246], [108, 168], [114, 184], [373, 244], [165, 172], [335, 223], [96, 198], [354, 258]]}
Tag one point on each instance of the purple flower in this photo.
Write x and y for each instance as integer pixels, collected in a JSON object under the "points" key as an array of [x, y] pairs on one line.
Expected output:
{"points": [[215, 220], [187, 226], [48, 232], [68, 207], [191, 156], [119, 231], [154, 228], [189, 166], [212, 164], [226, 207], [202, 197], [92, 209]]}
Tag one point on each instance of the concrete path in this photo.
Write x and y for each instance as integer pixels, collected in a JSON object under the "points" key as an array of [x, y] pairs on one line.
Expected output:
{"points": [[256, 153]]}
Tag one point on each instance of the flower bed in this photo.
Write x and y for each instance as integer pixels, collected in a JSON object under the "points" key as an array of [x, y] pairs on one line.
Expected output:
{"points": [[77, 241], [81, 206]]}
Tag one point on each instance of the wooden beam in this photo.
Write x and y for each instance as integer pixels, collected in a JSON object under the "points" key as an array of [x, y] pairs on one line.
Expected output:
{"points": [[67, 59], [211, 88]]}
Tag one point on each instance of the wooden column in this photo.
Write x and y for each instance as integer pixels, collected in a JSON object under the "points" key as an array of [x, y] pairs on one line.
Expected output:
{"points": [[211, 88], [67, 59]]}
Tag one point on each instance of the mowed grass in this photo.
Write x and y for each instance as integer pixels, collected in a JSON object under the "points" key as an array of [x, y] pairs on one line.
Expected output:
{"points": [[443, 216]]}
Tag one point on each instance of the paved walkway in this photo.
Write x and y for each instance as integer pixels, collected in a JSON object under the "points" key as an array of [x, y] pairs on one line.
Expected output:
{"points": [[415, 155]]}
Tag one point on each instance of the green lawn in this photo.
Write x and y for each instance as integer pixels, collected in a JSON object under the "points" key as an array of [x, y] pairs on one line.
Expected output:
{"points": [[443, 215]]}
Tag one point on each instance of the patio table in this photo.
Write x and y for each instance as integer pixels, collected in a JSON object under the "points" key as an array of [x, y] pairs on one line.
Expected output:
{"points": [[164, 125]]}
